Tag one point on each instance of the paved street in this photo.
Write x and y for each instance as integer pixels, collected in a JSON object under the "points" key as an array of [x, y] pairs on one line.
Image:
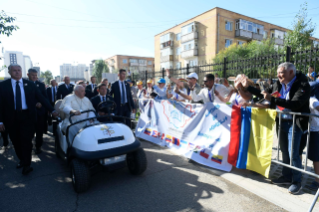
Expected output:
{"points": [[169, 184]]}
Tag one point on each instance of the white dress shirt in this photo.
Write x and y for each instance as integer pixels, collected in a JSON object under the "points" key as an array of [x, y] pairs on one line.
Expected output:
{"points": [[23, 100], [93, 86], [203, 94], [101, 97], [123, 92]]}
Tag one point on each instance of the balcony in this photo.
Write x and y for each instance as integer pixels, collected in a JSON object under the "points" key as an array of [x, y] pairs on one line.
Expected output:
{"points": [[166, 44], [257, 37], [190, 36], [134, 64], [189, 53], [243, 34], [167, 58], [279, 41]]}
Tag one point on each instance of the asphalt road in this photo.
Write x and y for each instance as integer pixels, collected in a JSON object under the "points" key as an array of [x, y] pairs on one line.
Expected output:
{"points": [[170, 183]]}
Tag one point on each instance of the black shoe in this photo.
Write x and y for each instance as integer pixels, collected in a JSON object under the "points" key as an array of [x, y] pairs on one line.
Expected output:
{"points": [[26, 170], [19, 166], [38, 151]]}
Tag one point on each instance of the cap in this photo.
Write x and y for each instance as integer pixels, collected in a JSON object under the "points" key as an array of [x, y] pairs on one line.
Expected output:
{"points": [[149, 81], [129, 80], [192, 75], [162, 80], [139, 82]]}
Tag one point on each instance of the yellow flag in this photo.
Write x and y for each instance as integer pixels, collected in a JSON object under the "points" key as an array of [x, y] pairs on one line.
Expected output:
{"points": [[261, 140]]}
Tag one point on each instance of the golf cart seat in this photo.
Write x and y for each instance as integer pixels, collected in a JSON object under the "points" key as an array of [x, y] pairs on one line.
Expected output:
{"points": [[57, 109]]}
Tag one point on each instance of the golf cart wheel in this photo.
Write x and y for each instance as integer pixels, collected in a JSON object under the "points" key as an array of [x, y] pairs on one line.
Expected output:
{"points": [[80, 174], [56, 146], [136, 162]]}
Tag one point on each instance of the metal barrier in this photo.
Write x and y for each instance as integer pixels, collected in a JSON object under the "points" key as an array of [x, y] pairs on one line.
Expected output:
{"points": [[294, 114]]}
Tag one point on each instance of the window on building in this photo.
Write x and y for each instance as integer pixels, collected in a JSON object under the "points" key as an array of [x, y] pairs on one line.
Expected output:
{"points": [[241, 43], [229, 26], [125, 61], [178, 65], [13, 59], [150, 63], [189, 45], [228, 43], [265, 35], [166, 65], [188, 28], [192, 63], [165, 38], [178, 50], [178, 36], [133, 61], [249, 26], [142, 62], [166, 52]]}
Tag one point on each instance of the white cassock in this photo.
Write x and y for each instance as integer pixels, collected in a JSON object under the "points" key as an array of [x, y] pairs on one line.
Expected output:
{"points": [[72, 102]]}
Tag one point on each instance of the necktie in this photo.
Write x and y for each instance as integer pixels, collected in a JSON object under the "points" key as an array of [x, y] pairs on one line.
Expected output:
{"points": [[104, 99], [123, 93], [53, 98], [18, 97]]}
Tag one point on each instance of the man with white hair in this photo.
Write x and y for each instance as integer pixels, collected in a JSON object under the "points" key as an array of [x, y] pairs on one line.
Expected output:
{"points": [[75, 104], [290, 93]]}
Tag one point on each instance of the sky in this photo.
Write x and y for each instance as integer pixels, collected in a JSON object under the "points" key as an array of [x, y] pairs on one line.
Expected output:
{"points": [[53, 32]]}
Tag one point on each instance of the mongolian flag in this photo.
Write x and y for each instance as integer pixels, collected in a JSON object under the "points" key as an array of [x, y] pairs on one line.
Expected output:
{"points": [[147, 131], [251, 146]]}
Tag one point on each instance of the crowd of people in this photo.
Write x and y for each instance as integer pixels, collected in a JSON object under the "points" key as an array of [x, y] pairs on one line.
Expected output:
{"points": [[26, 107]]}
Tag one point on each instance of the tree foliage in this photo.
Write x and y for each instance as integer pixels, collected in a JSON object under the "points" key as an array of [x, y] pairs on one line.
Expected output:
{"points": [[100, 67], [6, 27], [47, 75], [303, 29], [253, 49]]}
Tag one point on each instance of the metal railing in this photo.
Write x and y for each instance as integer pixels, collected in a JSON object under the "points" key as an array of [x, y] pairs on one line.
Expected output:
{"points": [[294, 114]]}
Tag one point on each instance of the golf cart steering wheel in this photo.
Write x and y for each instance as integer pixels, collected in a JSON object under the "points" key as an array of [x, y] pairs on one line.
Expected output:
{"points": [[107, 107]]}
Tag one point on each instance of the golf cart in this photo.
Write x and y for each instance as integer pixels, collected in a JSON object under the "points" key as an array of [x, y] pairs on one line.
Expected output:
{"points": [[100, 141]]}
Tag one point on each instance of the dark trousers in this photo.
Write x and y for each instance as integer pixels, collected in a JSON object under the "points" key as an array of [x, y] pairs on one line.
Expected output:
{"points": [[125, 110], [4, 136], [40, 125], [21, 134], [52, 121]]}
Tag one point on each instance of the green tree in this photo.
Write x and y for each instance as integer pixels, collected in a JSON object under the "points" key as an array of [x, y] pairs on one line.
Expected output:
{"points": [[253, 49], [100, 67], [303, 29], [6, 28], [47, 75]]}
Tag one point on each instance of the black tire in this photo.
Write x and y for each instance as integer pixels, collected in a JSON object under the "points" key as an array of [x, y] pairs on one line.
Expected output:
{"points": [[57, 146], [136, 162], [80, 174]]}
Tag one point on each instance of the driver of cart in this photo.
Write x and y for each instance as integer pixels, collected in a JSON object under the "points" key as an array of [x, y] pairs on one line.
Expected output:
{"points": [[75, 104]]}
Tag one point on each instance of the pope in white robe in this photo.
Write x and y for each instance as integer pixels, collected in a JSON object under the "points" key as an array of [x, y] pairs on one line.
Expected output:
{"points": [[75, 104]]}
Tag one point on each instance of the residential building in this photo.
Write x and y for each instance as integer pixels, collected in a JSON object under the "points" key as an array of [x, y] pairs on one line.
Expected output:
{"points": [[75, 72], [199, 39], [15, 57], [132, 64]]}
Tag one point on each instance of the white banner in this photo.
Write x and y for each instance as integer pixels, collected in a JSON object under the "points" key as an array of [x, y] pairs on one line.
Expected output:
{"points": [[199, 132]]}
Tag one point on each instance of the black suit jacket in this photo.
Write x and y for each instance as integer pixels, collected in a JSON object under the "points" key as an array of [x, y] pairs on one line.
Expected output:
{"points": [[32, 96], [63, 91], [116, 94], [97, 99], [41, 87], [89, 93], [49, 94]]}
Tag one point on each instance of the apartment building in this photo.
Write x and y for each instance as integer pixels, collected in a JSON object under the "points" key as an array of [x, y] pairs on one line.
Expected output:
{"points": [[75, 72], [15, 57], [200, 38], [133, 64]]}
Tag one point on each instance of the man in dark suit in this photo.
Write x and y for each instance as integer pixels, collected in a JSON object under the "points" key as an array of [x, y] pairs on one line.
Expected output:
{"points": [[51, 93], [123, 97], [101, 97], [105, 82], [18, 113], [64, 89], [41, 111], [5, 139], [90, 90]]}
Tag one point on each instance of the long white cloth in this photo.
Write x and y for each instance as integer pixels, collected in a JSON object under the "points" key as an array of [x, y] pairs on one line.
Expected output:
{"points": [[72, 102]]}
